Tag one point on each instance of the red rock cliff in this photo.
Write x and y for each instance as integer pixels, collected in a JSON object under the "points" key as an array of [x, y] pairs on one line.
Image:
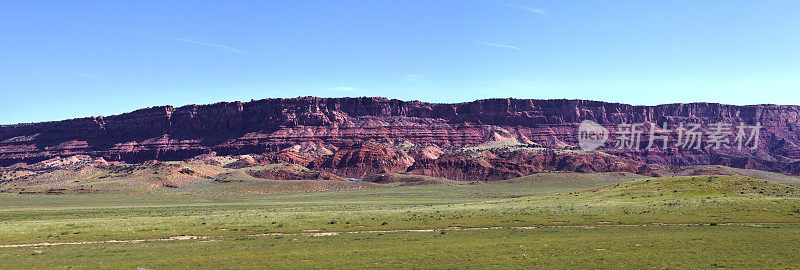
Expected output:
{"points": [[266, 126]]}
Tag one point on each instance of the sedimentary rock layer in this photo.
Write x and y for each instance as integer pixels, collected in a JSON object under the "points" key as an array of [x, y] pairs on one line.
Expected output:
{"points": [[340, 127]]}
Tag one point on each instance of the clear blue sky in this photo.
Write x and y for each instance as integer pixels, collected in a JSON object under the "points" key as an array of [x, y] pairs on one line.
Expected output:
{"points": [[67, 59]]}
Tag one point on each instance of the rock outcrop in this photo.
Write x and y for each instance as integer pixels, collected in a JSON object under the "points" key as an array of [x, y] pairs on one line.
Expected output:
{"points": [[355, 137]]}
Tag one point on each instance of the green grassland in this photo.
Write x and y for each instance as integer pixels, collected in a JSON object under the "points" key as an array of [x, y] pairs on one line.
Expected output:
{"points": [[605, 220], [723, 170], [680, 247]]}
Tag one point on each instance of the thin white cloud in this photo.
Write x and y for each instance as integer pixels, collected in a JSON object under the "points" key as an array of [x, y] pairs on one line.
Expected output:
{"points": [[499, 45], [201, 43], [537, 11], [86, 75], [343, 89], [414, 78], [68, 88]]}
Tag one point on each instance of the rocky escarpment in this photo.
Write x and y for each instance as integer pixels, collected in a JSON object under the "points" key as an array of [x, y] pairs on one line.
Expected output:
{"points": [[360, 136]]}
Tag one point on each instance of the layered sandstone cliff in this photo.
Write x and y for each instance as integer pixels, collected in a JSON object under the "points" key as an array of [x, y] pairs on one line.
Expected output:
{"points": [[360, 136]]}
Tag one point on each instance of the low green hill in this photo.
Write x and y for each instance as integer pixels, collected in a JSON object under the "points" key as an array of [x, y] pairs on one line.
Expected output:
{"points": [[723, 170]]}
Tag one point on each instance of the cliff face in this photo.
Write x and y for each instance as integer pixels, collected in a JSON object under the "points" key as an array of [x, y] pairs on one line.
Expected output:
{"points": [[272, 125]]}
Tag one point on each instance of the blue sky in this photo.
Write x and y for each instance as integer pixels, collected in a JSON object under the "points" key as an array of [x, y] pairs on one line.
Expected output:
{"points": [[68, 59]]}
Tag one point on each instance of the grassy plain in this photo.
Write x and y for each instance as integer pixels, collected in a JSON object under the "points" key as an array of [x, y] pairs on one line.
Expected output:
{"points": [[551, 220]]}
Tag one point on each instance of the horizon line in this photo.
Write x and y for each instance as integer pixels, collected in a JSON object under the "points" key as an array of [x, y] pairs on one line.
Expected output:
{"points": [[379, 97]]}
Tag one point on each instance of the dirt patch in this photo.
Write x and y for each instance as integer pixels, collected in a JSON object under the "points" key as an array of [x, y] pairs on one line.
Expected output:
{"points": [[321, 234]]}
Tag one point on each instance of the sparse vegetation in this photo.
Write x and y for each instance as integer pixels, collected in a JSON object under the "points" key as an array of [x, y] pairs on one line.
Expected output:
{"points": [[580, 217]]}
